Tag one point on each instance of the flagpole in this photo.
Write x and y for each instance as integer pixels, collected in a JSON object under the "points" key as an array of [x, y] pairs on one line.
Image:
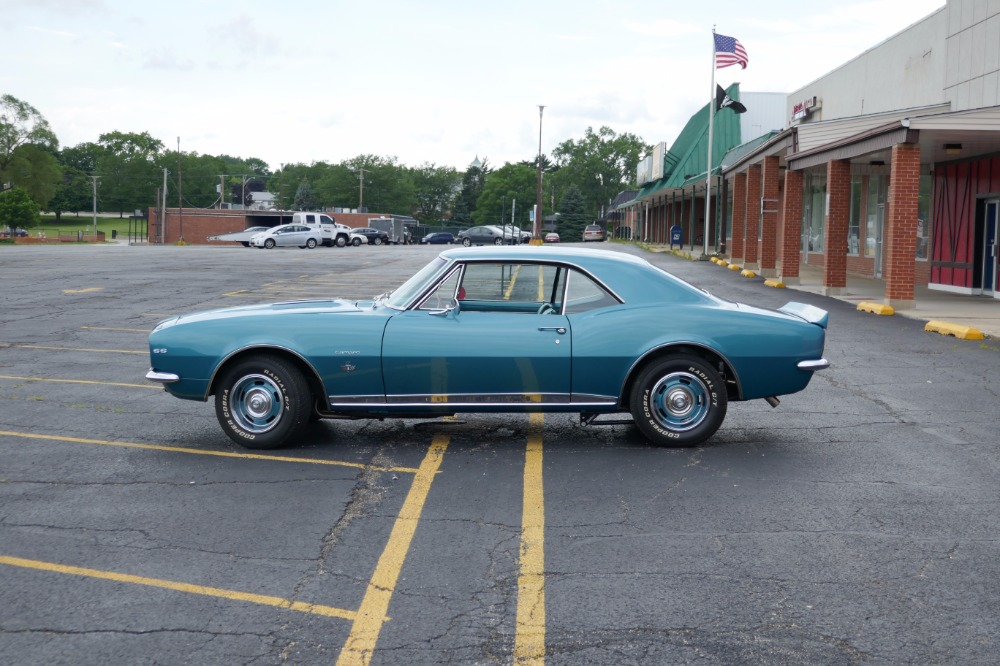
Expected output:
{"points": [[708, 172]]}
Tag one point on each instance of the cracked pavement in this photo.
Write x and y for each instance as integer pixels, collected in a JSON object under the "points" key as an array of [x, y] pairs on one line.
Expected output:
{"points": [[857, 523]]}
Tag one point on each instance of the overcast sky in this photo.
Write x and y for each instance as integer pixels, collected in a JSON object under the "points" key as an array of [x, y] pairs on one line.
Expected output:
{"points": [[437, 81]]}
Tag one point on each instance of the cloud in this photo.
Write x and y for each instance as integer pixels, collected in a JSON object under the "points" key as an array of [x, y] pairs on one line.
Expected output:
{"points": [[167, 62]]}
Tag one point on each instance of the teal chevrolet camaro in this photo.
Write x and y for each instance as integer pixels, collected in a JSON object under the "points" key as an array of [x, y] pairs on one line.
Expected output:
{"points": [[504, 329]]}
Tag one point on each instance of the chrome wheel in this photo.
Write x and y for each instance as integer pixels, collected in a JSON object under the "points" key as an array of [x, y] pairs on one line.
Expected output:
{"points": [[679, 401], [255, 403]]}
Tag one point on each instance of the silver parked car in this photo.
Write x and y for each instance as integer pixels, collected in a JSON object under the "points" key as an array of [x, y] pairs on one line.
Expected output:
{"points": [[289, 235], [485, 235]]}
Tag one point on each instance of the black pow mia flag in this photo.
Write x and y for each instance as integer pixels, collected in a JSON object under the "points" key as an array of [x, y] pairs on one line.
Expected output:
{"points": [[722, 101]]}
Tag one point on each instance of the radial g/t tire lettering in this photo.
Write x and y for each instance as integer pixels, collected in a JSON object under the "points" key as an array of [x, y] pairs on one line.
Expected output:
{"points": [[263, 402], [678, 401]]}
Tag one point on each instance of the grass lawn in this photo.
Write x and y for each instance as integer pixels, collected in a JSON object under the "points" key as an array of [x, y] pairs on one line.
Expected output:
{"points": [[72, 223]]}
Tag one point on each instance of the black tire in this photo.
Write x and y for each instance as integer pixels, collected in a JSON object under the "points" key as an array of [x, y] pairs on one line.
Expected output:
{"points": [[341, 241], [311, 243], [269, 244], [376, 241], [498, 241], [356, 242], [466, 242], [263, 402], [678, 401]]}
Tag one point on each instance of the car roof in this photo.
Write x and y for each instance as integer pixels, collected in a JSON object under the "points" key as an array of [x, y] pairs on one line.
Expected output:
{"points": [[631, 277]]}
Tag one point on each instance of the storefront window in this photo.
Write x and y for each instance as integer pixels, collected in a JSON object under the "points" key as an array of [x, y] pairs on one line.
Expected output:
{"points": [[924, 217], [854, 226], [814, 212], [875, 216]]}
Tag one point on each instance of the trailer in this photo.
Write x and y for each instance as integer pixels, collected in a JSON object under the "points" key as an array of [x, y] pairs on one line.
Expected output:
{"points": [[396, 226]]}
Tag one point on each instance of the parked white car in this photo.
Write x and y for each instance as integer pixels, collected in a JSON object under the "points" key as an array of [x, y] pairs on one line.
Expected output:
{"points": [[240, 236], [288, 235]]}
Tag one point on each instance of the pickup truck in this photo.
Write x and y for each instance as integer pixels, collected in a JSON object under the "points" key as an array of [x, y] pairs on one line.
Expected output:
{"points": [[334, 233]]}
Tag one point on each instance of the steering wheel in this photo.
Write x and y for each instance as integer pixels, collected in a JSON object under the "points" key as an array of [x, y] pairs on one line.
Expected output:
{"points": [[546, 308]]}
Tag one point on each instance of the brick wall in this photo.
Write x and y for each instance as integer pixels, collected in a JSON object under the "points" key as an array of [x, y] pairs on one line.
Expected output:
{"points": [[752, 229], [898, 263], [790, 240], [739, 216], [769, 243], [838, 189]]}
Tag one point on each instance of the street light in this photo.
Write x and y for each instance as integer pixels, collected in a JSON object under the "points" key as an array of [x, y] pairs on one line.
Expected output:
{"points": [[537, 231]]}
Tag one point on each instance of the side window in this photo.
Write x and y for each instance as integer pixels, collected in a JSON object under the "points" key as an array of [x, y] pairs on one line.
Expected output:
{"points": [[517, 288], [310, 219], [442, 297], [583, 294]]}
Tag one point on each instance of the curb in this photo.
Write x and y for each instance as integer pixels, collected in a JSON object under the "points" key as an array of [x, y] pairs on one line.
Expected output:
{"points": [[956, 330], [876, 308]]}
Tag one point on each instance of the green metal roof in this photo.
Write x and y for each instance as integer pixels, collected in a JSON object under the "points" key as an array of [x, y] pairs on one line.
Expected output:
{"points": [[687, 158]]}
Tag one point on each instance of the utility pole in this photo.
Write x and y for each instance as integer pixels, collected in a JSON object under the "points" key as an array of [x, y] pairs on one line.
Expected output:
{"points": [[361, 190], [180, 188], [222, 190], [94, 179], [537, 231], [163, 209]]}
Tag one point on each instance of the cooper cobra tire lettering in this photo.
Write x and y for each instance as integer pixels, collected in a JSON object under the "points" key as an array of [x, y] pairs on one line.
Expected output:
{"points": [[675, 401]]}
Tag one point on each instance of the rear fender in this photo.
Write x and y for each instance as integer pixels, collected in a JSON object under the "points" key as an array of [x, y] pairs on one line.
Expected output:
{"points": [[807, 313]]}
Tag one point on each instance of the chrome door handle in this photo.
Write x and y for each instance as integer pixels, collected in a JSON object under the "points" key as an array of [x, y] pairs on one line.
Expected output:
{"points": [[561, 330]]}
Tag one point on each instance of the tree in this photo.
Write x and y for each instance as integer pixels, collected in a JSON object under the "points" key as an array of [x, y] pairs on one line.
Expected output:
{"points": [[573, 216], [21, 124], [601, 164], [435, 189], [244, 190], [17, 209], [75, 189], [473, 181], [35, 170], [505, 185], [304, 197], [129, 171]]}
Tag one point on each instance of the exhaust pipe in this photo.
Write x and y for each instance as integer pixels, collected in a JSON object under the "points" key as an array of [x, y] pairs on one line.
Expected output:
{"points": [[773, 401]]}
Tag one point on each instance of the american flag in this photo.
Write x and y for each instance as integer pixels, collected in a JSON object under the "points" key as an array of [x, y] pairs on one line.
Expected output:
{"points": [[729, 51]]}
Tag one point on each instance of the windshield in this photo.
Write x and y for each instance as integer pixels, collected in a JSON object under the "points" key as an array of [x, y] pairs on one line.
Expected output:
{"points": [[412, 287]]}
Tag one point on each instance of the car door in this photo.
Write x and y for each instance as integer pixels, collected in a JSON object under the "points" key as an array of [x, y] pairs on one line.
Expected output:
{"points": [[490, 347], [295, 236]]}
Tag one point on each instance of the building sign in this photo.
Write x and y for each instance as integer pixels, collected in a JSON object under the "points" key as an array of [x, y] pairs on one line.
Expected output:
{"points": [[805, 107]]}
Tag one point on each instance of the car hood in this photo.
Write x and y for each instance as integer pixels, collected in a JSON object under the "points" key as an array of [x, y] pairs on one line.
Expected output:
{"points": [[324, 306]]}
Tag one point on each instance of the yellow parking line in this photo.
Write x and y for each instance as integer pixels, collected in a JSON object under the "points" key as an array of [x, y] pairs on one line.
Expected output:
{"points": [[513, 282], [221, 454], [529, 637], [360, 645], [107, 351], [263, 600], [81, 381]]}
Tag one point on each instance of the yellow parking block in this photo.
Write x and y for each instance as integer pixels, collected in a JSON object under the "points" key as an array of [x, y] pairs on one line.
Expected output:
{"points": [[774, 282], [748, 273], [722, 262], [876, 308], [735, 267], [956, 330]]}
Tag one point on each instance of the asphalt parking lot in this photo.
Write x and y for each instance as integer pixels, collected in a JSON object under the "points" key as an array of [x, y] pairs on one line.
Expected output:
{"points": [[856, 523]]}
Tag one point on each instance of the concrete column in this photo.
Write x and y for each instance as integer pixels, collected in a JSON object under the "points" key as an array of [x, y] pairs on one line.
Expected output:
{"points": [[791, 228], [838, 215], [900, 244], [739, 217], [769, 217], [752, 224]]}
